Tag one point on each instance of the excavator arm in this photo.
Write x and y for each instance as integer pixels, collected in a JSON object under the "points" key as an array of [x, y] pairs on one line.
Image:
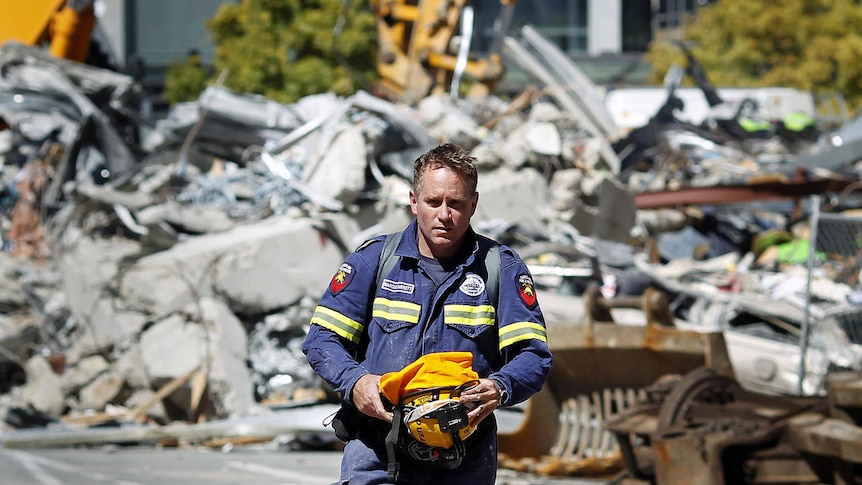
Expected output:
{"points": [[414, 56], [64, 25]]}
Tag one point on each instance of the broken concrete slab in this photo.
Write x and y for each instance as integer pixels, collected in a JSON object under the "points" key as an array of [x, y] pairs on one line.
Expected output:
{"points": [[237, 265], [517, 197], [44, 388], [205, 335]]}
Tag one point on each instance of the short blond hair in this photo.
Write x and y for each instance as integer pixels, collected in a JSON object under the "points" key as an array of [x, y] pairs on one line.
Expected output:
{"points": [[447, 155]]}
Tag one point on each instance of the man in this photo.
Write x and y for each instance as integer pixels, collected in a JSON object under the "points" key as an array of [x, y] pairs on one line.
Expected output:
{"points": [[360, 332]]}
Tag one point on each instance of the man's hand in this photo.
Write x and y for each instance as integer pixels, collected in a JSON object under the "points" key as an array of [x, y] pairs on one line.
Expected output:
{"points": [[366, 397], [482, 399]]}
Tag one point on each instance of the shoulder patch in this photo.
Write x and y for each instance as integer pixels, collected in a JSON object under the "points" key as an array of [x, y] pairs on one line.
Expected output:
{"points": [[526, 290], [342, 278]]}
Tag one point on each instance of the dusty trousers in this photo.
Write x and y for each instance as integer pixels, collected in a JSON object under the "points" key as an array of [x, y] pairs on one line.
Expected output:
{"points": [[365, 463]]}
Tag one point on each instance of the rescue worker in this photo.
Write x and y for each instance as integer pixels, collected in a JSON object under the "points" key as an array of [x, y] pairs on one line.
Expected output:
{"points": [[434, 300]]}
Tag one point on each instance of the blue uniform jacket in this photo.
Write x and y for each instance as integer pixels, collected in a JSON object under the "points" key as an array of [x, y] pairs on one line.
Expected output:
{"points": [[358, 329]]}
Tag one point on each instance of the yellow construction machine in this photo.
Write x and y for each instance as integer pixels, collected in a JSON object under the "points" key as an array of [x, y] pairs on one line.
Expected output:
{"points": [[64, 26], [416, 55]]}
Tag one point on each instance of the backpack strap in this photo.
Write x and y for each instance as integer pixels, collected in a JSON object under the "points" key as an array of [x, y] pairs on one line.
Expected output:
{"points": [[387, 259], [492, 263]]}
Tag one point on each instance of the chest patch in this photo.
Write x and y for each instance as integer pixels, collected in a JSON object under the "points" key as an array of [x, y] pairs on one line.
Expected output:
{"points": [[342, 278], [397, 287], [472, 285], [526, 290]]}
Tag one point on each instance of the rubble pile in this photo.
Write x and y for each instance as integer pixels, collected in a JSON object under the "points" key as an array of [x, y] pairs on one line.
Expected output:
{"points": [[161, 272]]}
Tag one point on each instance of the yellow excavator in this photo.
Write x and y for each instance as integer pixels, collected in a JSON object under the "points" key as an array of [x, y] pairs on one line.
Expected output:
{"points": [[414, 57], [414, 38], [64, 26]]}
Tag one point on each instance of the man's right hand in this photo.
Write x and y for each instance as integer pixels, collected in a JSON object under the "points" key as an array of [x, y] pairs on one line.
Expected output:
{"points": [[366, 398]]}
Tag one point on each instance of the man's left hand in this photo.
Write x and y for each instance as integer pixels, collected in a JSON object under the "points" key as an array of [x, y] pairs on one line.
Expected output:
{"points": [[481, 399]]}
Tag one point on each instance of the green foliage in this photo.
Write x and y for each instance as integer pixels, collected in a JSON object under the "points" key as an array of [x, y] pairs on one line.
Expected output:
{"points": [[185, 80], [283, 49], [807, 44]]}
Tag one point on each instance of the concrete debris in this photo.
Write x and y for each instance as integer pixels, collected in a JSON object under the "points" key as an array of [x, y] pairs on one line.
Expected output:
{"points": [[137, 291]]}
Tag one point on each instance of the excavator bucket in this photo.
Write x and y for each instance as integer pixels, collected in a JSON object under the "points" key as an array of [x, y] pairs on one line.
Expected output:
{"points": [[600, 369]]}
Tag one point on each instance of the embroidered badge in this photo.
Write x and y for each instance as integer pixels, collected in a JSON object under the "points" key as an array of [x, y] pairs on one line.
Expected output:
{"points": [[526, 290], [341, 279], [472, 285]]}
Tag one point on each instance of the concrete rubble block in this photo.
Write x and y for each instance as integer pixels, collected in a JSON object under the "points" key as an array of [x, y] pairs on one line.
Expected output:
{"points": [[564, 191], [108, 324], [11, 294], [544, 112], [657, 221], [515, 149], [87, 267], [337, 166], [518, 197], [251, 275], [198, 218], [18, 335], [591, 185], [100, 392], [213, 338], [108, 195], [486, 156], [247, 264], [448, 122], [130, 364], [79, 374], [43, 390], [544, 139], [592, 156], [142, 397], [614, 216]]}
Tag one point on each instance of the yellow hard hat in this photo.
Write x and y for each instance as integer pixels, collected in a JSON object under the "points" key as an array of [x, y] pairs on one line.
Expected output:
{"points": [[428, 391]]}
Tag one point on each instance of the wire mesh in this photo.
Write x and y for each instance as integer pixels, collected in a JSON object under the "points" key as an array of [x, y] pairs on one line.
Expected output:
{"points": [[833, 296]]}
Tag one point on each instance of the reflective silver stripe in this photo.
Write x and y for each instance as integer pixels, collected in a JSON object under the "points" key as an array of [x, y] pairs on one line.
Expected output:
{"points": [[518, 331], [401, 311], [469, 314], [338, 323]]}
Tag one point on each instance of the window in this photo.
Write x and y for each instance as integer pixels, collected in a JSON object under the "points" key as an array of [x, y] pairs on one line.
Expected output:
{"points": [[563, 22], [637, 25]]}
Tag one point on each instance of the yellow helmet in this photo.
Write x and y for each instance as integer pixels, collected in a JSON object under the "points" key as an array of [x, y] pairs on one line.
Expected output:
{"points": [[436, 417], [427, 392]]}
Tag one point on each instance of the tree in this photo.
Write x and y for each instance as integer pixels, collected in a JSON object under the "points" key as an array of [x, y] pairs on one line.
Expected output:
{"points": [[807, 44], [185, 80], [287, 49]]}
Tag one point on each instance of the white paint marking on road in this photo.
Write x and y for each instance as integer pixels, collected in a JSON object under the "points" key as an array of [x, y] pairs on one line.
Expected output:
{"points": [[33, 468], [33, 463], [301, 478]]}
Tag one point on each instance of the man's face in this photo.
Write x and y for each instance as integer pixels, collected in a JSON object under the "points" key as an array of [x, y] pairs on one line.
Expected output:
{"points": [[443, 208]]}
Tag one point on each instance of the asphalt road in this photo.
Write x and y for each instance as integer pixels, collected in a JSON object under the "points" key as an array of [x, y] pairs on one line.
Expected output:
{"points": [[190, 466]]}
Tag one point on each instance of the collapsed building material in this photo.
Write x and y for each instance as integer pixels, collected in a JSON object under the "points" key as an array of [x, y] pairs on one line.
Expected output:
{"points": [[540, 65], [270, 425], [567, 427], [182, 299], [704, 427]]}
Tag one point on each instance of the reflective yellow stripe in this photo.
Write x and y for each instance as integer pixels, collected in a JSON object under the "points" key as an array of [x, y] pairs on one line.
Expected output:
{"points": [[469, 315], [338, 323], [518, 331], [401, 311]]}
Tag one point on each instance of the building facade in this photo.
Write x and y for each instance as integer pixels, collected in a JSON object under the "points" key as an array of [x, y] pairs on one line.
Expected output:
{"points": [[600, 32]]}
